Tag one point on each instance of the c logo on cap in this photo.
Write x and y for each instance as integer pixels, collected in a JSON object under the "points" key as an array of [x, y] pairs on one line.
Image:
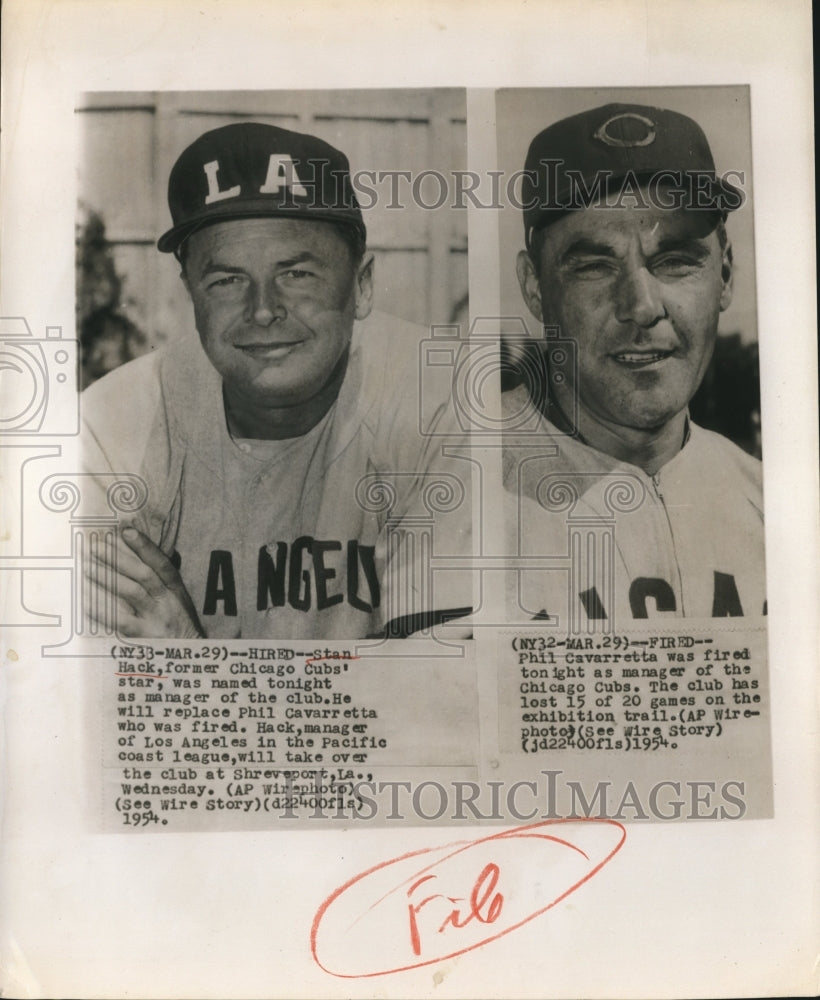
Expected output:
{"points": [[603, 132]]}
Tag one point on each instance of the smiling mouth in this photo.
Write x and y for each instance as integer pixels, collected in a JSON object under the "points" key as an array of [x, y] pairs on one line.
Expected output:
{"points": [[269, 351], [641, 359]]}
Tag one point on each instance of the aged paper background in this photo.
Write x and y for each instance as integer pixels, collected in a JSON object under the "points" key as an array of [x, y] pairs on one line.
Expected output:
{"points": [[691, 909]]}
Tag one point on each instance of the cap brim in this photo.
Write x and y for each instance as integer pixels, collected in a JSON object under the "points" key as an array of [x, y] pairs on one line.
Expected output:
{"points": [[171, 240], [717, 196]]}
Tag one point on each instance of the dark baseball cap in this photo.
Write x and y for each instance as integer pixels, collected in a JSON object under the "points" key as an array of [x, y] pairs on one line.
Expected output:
{"points": [[581, 160], [251, 169]]}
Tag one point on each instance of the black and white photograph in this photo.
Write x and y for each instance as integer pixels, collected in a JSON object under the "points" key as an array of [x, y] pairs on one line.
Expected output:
{"points": [[262, 270], [628, 262]]}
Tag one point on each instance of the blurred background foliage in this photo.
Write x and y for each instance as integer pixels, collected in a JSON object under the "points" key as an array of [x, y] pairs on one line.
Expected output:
{"points": [[108, 336], [728, 400]]}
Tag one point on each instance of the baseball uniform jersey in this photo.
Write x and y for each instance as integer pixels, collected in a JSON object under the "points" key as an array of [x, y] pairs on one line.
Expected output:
{"points": [[608, 541], [328, 535]]}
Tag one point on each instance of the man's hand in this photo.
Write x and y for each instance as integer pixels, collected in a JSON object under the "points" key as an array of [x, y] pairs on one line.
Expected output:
{"points": [[144, 588]]}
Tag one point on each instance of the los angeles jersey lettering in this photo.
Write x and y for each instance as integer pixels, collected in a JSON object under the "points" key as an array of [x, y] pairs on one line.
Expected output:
{"points": [[308, 573], [608, 542]]}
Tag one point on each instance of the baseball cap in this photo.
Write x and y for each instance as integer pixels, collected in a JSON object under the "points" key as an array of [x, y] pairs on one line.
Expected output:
{"points": [[582, 159], [251, 169]]}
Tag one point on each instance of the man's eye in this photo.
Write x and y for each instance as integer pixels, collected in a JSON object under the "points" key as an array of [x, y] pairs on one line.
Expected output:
{"points": [[592, 268], [297, 272], [226, 281], [676, 266]]}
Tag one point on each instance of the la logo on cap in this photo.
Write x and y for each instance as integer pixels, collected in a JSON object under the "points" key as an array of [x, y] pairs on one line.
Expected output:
{"points": [[603, 134], [249, 169], [281, 173]]}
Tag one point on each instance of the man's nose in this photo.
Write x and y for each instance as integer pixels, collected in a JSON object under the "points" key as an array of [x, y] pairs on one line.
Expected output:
{"points": [[266, 305], [639, 298]]}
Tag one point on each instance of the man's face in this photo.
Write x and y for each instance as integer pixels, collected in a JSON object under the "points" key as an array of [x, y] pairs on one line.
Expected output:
{"points": [[274, 302], [640, 291]]}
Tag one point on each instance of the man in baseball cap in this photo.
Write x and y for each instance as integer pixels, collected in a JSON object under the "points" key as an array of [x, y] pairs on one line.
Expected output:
{"points": [[260, 440], [627, 260]]}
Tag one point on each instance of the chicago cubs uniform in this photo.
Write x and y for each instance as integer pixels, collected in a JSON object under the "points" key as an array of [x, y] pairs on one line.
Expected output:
{"points": [[608, 541], [619, 508], [325, 535]]}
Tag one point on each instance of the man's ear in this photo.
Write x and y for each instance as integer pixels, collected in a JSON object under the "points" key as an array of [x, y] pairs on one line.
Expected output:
{"points": [[364, 287], [530, 287], [726, 277], [184, 279]]}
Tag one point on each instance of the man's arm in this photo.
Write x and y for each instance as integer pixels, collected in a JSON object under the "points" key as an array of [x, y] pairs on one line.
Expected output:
{"points": [[148, 595]]}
